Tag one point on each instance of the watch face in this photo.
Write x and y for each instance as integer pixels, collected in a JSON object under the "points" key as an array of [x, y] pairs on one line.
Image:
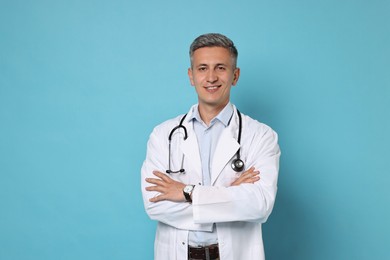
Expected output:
{"points": [[188, 189]]}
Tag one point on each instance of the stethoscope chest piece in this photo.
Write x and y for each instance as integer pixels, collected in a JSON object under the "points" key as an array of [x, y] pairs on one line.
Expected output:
{"points": [[237, 165]]}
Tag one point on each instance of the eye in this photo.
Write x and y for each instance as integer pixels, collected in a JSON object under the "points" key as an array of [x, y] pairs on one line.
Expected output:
{"points": [[202, 69], [221, 68]]}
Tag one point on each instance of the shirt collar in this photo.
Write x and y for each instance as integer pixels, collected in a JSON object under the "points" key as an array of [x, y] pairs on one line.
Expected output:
{"points": [[223, 116]]}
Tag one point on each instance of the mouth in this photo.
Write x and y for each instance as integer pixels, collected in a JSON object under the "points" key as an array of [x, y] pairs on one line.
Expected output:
{"points": [[212, 88]]}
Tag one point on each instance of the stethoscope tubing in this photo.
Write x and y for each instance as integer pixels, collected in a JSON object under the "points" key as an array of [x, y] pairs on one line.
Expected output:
{"points": [[237, 164]]}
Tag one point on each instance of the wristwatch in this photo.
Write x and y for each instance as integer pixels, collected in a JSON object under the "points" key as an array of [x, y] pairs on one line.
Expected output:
{"points": [[187, 191]]}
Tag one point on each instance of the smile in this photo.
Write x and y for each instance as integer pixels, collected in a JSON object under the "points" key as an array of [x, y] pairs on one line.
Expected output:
{"points": [[212, 87]]}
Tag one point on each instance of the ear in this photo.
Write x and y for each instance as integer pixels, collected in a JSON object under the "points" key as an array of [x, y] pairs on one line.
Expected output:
{"points": [[236, 76], [191, 76]]}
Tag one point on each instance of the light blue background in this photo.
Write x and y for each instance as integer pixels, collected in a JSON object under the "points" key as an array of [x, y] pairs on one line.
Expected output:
{"points": [[82, 83]]}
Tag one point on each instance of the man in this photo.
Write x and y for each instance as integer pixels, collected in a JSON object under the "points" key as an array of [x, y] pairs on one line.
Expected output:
{"points": [[210, 176]]}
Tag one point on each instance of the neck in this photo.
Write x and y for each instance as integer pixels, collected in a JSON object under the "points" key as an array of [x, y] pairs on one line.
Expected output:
{"points": [[207, 113]]}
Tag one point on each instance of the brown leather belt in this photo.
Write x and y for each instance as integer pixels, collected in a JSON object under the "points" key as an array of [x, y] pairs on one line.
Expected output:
{"points": [[207, 252]]}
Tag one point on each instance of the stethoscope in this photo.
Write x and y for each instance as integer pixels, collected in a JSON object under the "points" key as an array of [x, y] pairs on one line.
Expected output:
{"points": [[237, 164]]}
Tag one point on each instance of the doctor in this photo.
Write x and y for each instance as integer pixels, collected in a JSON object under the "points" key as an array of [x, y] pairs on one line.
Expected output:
{"points": [[207, 204]]}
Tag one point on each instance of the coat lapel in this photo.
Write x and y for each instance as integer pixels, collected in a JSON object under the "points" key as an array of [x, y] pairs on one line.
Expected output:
{"points": [[226, 148]]}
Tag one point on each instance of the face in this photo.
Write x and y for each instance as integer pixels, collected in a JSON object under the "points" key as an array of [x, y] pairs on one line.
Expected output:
{"points": [[212, 74]]}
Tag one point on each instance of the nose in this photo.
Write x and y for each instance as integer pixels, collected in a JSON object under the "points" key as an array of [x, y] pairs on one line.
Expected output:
{"points": [[212, 76]]}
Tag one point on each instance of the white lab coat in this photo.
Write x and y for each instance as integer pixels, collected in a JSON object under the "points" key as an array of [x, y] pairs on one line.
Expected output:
{"points": [[238, 211]]}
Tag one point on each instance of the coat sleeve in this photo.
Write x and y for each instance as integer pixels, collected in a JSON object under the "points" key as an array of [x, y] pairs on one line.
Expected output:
{"points": [[176, 214], [246, 202]]}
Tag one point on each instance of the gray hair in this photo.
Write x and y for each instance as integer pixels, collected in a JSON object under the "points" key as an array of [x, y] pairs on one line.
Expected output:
{"points": [[214, 40]]}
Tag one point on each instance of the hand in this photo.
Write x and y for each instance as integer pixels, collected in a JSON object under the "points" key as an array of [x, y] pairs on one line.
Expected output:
{"points": [[249, 176], [168, 188]]}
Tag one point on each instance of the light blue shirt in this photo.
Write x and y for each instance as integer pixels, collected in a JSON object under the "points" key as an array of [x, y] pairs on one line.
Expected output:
{"points": [[207, 139]]}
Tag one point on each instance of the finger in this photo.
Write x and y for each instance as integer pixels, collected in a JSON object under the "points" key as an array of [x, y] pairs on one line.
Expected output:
{"points": [[161, 175], [249, 170], [250, 178], [249, 175], [157, 198], [252, 173], [155, 188], [154, 181], [255, 179]]}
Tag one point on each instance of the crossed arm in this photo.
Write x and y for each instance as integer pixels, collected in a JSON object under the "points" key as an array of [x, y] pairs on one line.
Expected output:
{"points": [[172, 190]]}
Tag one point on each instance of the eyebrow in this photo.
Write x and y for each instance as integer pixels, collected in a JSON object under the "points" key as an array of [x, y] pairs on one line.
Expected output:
{"points": [[216, 65]]}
